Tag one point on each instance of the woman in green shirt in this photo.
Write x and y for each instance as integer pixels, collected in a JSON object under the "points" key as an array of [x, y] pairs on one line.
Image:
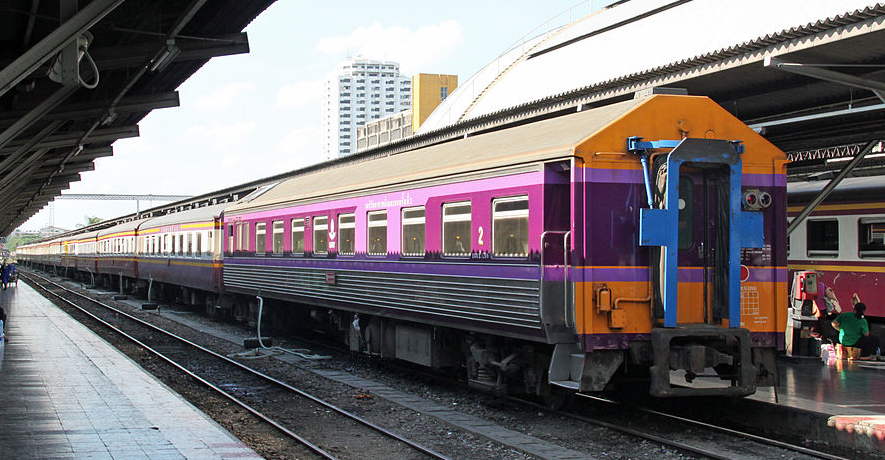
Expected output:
{"points": [[854, 331]]}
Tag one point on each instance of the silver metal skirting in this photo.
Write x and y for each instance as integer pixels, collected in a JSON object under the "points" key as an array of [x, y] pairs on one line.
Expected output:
{"points": [[490, 301]]}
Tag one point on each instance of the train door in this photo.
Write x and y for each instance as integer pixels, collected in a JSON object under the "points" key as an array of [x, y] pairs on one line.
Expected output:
{"points": [[703, 243], [556, 254]]}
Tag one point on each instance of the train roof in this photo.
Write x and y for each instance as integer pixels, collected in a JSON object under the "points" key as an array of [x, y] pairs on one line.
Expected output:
{"points": [[124, 227], [539, 141], [82, 236], [203, 214], [850, 189]]}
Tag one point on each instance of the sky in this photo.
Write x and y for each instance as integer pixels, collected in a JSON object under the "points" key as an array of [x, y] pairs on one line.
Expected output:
{"points": [[254, 115]]}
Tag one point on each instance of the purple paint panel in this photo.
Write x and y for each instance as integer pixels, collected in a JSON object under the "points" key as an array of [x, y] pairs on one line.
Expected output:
{"points": [[479, 192], [612, 228], [613, 176], [481, 270], [763, 180]]}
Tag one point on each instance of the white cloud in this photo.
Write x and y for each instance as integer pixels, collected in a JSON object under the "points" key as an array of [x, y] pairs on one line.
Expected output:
{"points": [[224, 96], [300, 93], [415, 50], [301, 147], [222, 136]]}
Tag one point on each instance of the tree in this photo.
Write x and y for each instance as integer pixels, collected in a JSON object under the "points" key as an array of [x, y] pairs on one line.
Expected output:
{"points": [[92, 220]]}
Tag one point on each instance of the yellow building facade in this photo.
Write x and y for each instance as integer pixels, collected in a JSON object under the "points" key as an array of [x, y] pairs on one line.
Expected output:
{"points": [[428, 90]]}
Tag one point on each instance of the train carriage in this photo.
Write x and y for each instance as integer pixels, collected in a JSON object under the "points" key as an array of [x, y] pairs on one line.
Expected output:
{"points": [[83, 257], [558, 253], [843, 240], [116, 251], [183, 248]]}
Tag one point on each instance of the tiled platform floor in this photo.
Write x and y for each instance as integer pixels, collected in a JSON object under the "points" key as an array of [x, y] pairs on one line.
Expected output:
{"points": [[66, 393], [840, 388]]}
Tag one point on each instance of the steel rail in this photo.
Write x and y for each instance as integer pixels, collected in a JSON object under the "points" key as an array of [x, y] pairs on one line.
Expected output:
{"points": [[630, 431], [330, 406], [316, 449], [722, 429], [626, 430]]}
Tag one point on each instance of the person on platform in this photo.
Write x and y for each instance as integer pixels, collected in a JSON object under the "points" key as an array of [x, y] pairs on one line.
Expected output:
{"points": [[826, 315], [5, 273], [2, 324], [854, 331]]}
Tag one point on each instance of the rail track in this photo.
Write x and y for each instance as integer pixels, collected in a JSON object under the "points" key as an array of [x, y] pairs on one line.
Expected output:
{"points": [[716, 428], [259, 394], [706, 443]]}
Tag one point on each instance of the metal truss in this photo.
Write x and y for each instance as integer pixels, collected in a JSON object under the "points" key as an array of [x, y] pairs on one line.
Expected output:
{"points": [[828, 153]]}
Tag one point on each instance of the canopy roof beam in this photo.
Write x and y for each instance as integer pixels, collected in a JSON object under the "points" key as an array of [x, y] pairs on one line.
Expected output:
{"points": [[53, 43], [821, 73], [92, 109], [70, 139]]}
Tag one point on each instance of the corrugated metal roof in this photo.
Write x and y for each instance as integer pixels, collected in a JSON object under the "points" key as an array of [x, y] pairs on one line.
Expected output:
{"points": [[204, 214], [544, 140], [712, 31]]}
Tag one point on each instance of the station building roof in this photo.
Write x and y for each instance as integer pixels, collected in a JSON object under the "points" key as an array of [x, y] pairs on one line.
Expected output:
{"points": [[49, 132], [709, 47]]}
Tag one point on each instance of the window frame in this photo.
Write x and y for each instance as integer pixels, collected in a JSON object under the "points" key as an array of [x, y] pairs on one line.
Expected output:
{"points": [[347, 225], [510, 199], [261, 229], [403, 222], [281, 225], [822, 253], [314, 229], [443, 221], [369, 227], [292, 236], [868, 253]]}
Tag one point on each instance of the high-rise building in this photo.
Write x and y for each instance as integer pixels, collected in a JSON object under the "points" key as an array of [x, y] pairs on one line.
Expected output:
{"points": [[428, 91], [362, 90]]}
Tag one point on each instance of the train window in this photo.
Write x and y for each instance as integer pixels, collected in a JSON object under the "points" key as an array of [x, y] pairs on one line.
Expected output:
{"points": [[823, 238], [190, 244], [456, 229], [377, 233], [244, 236], [321, 235], [510, 227], [230, 238], [278, 237], [871, 237], [298, 236], [413, 232], [180, 244], [346, 234], [260, 237], [199, 237]]}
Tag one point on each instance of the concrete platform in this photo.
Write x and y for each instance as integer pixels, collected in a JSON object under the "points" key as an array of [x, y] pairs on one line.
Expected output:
{"points": [[844, 399], [66, 393]]}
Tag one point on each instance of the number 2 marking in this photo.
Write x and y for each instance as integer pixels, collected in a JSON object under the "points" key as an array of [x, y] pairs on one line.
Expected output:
{"points": [[481, 231]]}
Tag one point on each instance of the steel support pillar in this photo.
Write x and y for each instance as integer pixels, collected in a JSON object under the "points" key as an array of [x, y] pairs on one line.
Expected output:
{"points": [[53, 43]]}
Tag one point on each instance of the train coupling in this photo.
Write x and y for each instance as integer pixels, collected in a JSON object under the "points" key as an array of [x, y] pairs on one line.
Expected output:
{"points": [[695, 349]]}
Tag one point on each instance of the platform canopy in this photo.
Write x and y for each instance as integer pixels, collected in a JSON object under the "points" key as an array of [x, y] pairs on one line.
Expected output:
{"points": [[75, 76], [807, 74]]}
